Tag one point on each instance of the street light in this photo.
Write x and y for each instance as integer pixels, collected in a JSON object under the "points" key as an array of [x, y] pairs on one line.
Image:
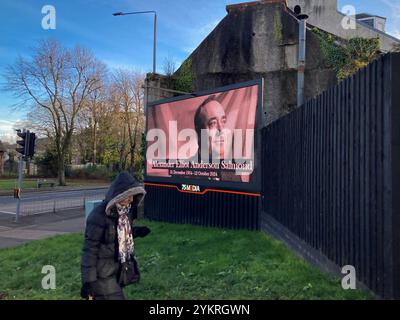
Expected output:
{"points": [[155, 30]]}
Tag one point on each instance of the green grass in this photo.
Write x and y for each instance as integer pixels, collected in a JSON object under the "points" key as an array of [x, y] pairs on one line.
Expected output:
{"points": [[10, 184], [178, 262]]}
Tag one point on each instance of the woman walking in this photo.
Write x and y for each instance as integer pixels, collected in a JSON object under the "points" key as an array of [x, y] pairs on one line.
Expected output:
{"points": [[108, 262]]}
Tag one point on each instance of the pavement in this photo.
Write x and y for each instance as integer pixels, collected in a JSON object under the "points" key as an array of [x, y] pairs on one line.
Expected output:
{"points": [[47, 201], [37, 227]]}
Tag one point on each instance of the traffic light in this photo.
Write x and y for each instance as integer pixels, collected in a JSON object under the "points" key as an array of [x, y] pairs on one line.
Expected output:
{"points": [[32, 140], [22, 143], [27, 144]]}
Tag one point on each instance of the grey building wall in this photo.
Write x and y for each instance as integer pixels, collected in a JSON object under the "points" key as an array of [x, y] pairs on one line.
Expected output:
{"points": [[324, 14], [259, 40], [155, 86], [255, 41]]}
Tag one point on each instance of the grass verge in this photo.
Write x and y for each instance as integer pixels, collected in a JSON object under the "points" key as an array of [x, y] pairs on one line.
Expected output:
{"points": [[10, 184], [178, 262]]}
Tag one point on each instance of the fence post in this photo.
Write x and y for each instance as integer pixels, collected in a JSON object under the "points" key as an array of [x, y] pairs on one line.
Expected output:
{"points": [[394, 223]]}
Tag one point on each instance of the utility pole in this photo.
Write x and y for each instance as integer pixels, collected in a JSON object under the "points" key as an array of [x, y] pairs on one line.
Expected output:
{"points": [[23, 151], [19, 186], [302, 18], [155, 43], [155, 31]]}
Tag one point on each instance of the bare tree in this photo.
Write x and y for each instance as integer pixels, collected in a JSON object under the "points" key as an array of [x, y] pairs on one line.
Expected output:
{"points": [[95, 113], [129, 97], [57, 81], [169, 66]]}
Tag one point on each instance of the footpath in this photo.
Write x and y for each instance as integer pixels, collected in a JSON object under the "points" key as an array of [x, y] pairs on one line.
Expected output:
{"points": [[41, 226]]}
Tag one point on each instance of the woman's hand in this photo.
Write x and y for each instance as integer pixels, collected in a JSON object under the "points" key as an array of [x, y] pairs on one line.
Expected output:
{"points": [[141, 232], [86, 291]]}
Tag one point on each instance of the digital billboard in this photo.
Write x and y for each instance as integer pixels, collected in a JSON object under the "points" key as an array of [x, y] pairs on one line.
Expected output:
{"points": [[208, 138]]}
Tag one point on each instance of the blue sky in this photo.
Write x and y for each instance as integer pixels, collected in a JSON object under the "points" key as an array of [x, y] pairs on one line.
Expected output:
{"points": [[126, 41]]}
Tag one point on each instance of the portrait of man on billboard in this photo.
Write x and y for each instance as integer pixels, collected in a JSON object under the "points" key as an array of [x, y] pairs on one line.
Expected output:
{"points": [[210, 116], [208, 136]]}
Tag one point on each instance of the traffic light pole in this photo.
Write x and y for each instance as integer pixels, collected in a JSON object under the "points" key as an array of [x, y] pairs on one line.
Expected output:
{"points": [[26, 151], [23, 153], [20, 179]]}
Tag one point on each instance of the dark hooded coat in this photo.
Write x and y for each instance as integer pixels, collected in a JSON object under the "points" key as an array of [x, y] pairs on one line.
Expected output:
{"points": [[100, 262]]}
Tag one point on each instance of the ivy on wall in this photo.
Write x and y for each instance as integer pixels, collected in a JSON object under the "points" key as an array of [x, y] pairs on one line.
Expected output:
{"points": [[183, 78], [346, 57], [278, 28]]}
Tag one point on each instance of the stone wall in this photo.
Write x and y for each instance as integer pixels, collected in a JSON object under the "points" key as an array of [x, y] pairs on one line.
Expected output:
{"points": [[154, 87], [260, 41]]}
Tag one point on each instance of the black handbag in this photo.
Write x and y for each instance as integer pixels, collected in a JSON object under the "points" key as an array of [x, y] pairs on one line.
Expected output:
{"points": [[128, 272]]}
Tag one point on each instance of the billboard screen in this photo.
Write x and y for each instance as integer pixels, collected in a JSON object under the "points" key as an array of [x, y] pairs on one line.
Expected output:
{"points": [[208, 138]]}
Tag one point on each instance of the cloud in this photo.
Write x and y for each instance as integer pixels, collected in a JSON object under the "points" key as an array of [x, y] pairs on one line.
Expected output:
{"points": [[394, 33], [7, 132], [112, 64], [7, 129], [394, 27], [197, 35]]}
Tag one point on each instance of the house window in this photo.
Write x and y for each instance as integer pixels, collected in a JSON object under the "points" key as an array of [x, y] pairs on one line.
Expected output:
{"points": [[369, 21]]}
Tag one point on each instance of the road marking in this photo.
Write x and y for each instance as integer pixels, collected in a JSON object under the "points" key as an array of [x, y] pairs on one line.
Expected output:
{"points": [[7, 212]]}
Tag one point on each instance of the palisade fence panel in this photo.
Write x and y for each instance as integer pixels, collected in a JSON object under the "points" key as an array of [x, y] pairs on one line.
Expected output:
{"points": [[331, 172], [33, 206], [213, 209]]}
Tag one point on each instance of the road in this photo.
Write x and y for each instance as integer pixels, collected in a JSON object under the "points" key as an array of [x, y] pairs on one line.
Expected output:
{"points": [[48, 201]]}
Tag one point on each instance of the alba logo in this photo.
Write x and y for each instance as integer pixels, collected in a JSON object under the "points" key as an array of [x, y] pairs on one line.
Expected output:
{"points": [[189, 187]]}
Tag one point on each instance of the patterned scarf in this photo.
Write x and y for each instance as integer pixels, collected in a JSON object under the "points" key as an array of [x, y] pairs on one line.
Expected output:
{"points": [[125, 239]]}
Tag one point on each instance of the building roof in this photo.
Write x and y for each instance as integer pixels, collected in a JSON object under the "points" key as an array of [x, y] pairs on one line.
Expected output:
{"points": [[367, 15]]}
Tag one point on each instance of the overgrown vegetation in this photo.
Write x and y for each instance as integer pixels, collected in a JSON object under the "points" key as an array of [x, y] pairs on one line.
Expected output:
{"points": [[178, 262], [278, 28], [346, 57], [90, 172], [47, 163], [183, 78]]}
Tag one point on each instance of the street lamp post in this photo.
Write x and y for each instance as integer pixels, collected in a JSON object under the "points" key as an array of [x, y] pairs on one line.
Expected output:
{"points": [[155, 31], [302, 19]]}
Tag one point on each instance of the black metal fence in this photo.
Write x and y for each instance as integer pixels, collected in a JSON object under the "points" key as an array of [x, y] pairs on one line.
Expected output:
{"points": [[332, 174], [215, 208]]}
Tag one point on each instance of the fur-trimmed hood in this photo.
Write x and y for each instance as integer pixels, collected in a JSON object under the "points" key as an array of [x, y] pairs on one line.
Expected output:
{"points": [[124, 185]]}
